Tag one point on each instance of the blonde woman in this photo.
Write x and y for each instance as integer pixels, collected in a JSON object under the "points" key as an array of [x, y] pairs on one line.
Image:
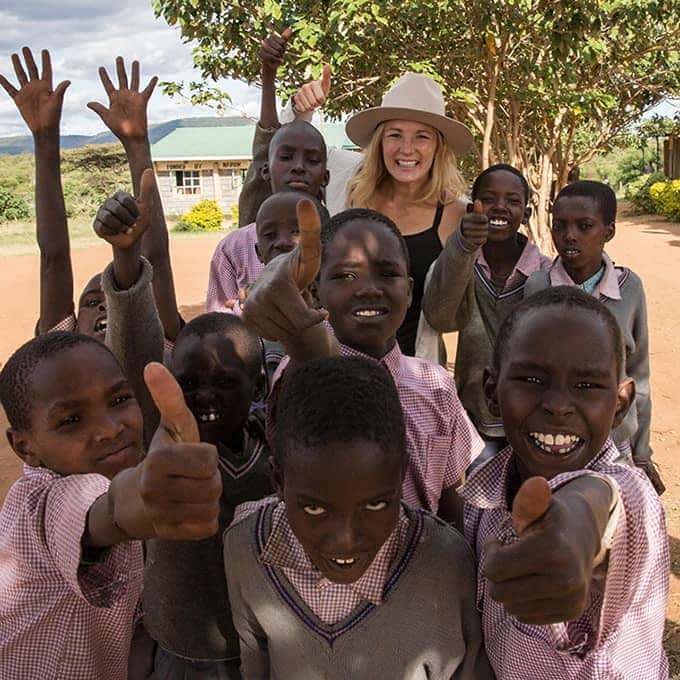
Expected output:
{"points": [[408, 171]]}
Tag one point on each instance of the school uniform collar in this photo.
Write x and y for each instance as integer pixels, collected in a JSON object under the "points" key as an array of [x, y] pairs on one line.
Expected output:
{"points": [[392, 360], [607, 287], [282, 550], [529, 260], [487, 486]]}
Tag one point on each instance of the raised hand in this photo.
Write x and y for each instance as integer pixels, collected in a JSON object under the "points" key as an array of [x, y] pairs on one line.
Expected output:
{"points": [[126, 113], [474, 226], [313, 95], [180, 483], [122, 220], [545, 577], [38, 103], [273, 50], [276, 308]]}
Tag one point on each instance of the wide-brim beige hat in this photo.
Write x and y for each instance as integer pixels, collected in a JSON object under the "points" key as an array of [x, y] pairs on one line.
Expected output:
{"points": [[413, 97]]}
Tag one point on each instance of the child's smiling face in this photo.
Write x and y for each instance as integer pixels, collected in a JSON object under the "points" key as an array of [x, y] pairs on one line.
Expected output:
{"points": [[297, 160], [216, 383], [579, 233], [85, 417], [365, 286], [277, 226], [558, 391], [342, 502], [504, 202]]}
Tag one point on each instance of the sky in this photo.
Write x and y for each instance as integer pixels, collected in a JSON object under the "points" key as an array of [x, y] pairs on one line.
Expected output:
{"points": [[83, 35]]}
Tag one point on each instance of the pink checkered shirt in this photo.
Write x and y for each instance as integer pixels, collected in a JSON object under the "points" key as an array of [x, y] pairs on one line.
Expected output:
{"points": [[620, 634], [441, 439], [531, 260], [608, 285], [60, 620], [330, 602], [67, 324], [234, 265]]}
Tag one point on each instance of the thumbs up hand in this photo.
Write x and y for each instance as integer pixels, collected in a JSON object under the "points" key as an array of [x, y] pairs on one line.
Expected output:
{"points": [[276, 308], [474, 226], [313, 95], [179, 484], [122, 220], [545, 576]]}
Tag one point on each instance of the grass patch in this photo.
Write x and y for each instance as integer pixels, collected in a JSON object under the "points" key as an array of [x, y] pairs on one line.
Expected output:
{"points": [[18, 238]]}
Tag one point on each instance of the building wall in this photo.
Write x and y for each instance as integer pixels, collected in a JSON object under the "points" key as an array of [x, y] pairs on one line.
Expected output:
{"points": [[199, 180]]}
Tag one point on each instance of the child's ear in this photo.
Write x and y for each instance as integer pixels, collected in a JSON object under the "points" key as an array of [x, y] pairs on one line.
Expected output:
{"points": [[264, 172], [611, 231], [527, 215], [20, 443], [490, 382], [257, 252], [326, 178], [276, 476], [624, 398]]}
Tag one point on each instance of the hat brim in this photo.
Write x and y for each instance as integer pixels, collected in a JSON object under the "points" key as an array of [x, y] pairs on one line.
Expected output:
{"points": [[361, 126]]}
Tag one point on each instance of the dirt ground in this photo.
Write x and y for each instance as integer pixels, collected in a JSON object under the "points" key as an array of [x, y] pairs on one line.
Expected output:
{"points": [[643, 243]]}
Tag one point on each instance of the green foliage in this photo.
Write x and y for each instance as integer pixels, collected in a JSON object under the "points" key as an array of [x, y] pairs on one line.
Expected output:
{"points": [[666, 198], [12, 207], [204, 216], [234, 214], [637, 192]]}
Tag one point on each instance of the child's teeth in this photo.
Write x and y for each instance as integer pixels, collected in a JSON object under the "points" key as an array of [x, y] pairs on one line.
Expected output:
{"points": [[347, 561], [549, 439]]}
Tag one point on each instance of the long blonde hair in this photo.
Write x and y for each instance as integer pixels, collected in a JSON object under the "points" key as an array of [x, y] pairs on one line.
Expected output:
{"points": [[445, 183]]}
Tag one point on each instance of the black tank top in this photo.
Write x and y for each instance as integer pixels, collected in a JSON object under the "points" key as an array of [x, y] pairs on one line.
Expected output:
{"points": [[423, 249]]}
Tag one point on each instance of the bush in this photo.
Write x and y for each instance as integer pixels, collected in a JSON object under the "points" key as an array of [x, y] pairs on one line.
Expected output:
{"points": [[12, 207], [637, 192], [204, 216], [666, 198]]}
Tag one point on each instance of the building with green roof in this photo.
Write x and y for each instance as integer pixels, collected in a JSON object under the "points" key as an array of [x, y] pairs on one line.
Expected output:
{"points": [[196, 163]]}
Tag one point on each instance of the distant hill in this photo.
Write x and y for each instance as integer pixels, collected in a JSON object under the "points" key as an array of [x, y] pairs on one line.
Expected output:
{"points": [[24, 143]]}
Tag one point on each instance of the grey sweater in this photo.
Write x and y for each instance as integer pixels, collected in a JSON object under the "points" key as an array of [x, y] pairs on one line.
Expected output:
{"points": [[460, 298], [631, 313], [427, 627]]}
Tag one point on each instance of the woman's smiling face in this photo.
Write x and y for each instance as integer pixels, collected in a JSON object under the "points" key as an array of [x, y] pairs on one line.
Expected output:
{"points": [[408, 150]]}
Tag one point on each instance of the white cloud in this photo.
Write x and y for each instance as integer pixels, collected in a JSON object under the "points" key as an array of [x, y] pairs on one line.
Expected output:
{"points": [[83, 35]]}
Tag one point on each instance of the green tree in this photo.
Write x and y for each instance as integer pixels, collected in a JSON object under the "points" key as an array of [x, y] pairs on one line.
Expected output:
{"points": [[545, 85]]}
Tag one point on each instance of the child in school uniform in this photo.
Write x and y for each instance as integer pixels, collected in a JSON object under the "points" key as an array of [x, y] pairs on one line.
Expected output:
{"points": [[558, 382], [477, 279], [583, 221], [296, 161], [364, 289], [40, 106], [70, 564], [218, 364], [337, 578]]}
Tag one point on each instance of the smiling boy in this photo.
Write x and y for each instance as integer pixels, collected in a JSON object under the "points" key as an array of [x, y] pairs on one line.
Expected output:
{"points": [[338, 579], [584, 221], [558, 384]]}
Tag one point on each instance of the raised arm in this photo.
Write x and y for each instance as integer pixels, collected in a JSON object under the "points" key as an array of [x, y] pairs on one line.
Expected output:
{"points": [[134, 331], [126, 117], [40, 106], [256, 189]]}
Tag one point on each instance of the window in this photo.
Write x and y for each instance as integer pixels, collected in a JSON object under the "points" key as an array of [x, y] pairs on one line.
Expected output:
{"points": [[188, 182]]}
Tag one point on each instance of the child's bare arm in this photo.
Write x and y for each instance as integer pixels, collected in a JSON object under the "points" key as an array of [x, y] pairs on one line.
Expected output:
{"points": [[126, 117], [134, 332], [174, 492], [40, 106], [545, 577], [276, 307], [256, 189]]}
